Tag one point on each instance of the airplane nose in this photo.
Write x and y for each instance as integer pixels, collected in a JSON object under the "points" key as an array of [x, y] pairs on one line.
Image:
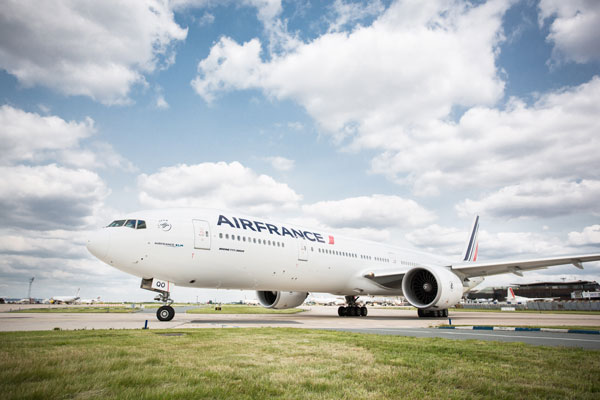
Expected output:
{"points": [[98, 242]]}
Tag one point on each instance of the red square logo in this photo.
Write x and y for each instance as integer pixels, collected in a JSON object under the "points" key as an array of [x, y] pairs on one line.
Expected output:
{"points": [[331, 240]]}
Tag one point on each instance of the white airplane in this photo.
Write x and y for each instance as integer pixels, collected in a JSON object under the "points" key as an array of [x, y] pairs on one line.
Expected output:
{"points": [[206, 248], [89, 301], [511, 298], [327, 300], [64, 299]]}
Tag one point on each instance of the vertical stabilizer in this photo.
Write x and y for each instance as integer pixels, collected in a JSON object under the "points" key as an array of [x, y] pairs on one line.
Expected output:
{"points": [[473, 243]]}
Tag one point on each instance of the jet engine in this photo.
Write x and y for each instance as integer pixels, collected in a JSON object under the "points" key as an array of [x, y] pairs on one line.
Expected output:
{"points": [[427, 287], [280, 300]]}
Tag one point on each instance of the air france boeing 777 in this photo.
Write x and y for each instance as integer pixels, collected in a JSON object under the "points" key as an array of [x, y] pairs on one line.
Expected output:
{"points": [[206, 248]]}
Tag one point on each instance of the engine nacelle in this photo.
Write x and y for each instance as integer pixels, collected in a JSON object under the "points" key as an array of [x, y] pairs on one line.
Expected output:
{"points": [[280, 300], [427, 287]]}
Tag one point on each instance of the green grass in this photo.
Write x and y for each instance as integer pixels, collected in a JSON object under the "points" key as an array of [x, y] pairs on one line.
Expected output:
{"points": [[241, 309], [78, 310], [275, 363]]}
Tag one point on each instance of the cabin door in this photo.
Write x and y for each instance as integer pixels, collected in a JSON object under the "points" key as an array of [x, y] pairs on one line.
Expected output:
{"points": [[201, 234], [302, 251]]}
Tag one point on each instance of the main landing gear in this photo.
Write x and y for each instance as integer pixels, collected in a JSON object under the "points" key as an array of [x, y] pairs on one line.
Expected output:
{"points": [[166, 312], [432, 313], [353, 309]]}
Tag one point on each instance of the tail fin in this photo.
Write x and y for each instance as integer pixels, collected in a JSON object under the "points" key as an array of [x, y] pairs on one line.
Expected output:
{"points": [[473, 243], [510, 295]]}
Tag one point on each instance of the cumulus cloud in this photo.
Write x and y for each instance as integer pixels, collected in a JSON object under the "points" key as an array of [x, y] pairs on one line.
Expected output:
{"points": [[90, 48], [574, 30], [49, 197], [414, 63], [589, 236], [555, 138], [281, 163], [544, 199], [32, 138], [376, 211], [451, 242], [217, 185]]}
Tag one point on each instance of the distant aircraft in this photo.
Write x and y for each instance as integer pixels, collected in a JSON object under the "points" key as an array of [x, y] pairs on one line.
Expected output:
{"points": [[220, 249], [511, 298], [327, 300], [89, 301], [64, 299], [380, 300]]}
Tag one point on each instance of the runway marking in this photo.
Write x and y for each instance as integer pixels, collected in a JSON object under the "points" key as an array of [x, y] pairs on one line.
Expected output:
{"points": [[490, 335]]}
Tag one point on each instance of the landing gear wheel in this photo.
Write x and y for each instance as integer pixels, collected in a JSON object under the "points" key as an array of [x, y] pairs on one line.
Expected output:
{"points": [[363, 311], [342, 311], [445, 313], [420, 313], [165, 313]]}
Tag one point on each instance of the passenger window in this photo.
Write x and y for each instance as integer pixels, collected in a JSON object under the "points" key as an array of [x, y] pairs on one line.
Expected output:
{"points": [[220, 236], [254, 240], [141, 224], [130, 223]]}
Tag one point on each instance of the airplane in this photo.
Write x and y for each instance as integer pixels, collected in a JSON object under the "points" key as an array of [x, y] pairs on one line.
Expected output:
{"points": [[326, 300], [89, 301], [64, 299], [511, 298], [206, 248]]}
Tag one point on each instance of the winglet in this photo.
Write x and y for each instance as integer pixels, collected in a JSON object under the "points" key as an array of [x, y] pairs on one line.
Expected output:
{"points": [[472, 244]]}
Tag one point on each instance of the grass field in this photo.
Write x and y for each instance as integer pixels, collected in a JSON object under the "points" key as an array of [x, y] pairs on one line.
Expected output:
{"points": [[270, 363], [78, 310], [241, 309]]}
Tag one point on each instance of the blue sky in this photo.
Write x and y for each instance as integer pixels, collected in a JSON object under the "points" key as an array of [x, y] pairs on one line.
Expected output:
{"points": [[395, 121]]}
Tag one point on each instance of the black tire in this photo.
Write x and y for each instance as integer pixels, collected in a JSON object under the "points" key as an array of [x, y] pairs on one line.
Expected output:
{"points": [[342, 311], [445, 313], [165, 313], [420, 313], [356, 311], [363, 311]]}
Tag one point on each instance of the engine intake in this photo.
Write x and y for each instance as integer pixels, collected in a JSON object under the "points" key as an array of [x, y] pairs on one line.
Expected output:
{"points": [[280, 300], [426, 287]]}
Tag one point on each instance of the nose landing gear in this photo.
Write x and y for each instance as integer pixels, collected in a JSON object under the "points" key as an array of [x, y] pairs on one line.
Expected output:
{"points": [[353, 309], [166, 312]]}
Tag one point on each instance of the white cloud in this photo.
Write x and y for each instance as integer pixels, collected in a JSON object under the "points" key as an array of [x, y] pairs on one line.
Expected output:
{"points": [[49, 197], [217, 185], [575, 29], [281, 163], [32, 138], [347, 13], [411, 65], [555, 138], [376, 211], [92, 48], [589, 236], [438, 239], [544, 198], [161, 102]]}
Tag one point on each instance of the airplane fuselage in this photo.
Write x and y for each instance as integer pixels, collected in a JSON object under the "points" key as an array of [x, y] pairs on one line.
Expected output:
{"points": [[224, 250]]}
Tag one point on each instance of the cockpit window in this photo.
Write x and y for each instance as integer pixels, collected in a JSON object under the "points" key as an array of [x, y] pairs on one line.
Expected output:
{"points": [[118, 222], [130, 223]]}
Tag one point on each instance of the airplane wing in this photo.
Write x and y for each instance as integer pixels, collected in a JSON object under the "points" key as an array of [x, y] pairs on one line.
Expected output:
{"points": [[393, 277], [469, 270]]}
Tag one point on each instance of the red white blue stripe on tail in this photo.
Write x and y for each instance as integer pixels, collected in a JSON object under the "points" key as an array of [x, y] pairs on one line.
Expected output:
{"points": [[473, 244]]}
